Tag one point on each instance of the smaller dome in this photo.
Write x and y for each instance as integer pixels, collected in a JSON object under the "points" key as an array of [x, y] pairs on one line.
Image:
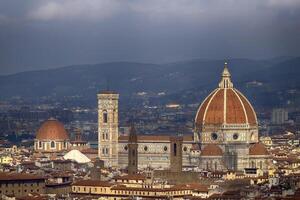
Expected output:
{"points": [[258, 149], [52, 129], [212, 150]]}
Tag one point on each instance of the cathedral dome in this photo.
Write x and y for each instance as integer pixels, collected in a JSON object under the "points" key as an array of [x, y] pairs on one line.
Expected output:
{"points": [[212, 150], [225, 105], [258, 149], [52, 129]]}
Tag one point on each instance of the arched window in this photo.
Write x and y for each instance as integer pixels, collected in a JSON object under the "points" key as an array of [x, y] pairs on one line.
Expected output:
{"points": [[252, 164], [175, 149], [105, 117], [260, 164], [113, 118], [52, 144]]}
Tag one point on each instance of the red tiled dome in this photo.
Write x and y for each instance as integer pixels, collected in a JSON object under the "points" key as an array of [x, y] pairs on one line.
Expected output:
{"points": [[225, 105], [212, 150], [258, 149], [52, 130]]}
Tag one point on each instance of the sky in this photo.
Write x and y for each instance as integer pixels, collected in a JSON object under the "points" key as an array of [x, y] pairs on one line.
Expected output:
{"points": [[42, 34]]}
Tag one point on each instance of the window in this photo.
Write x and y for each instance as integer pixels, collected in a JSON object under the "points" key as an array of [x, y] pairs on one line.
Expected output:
{"points": [[52, 144], [126, 148], [106, 150], [65, 144], [235, 136], [165, 148], [105, 117], [184, 148], [252, 164], [40, 144], [175, 149], [214, 136], [114, 115], [145, 148], [260, 164]]}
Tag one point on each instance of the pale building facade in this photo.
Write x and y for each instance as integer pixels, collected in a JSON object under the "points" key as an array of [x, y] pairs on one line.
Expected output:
{"points": [[108, 127]]}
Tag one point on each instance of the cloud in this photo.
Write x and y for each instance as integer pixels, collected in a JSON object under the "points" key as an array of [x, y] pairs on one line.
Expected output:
{"points": [[74, 9]]}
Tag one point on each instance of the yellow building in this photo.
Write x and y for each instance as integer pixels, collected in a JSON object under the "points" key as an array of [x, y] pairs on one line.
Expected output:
{"points": [[6, 160], [120, 191]]}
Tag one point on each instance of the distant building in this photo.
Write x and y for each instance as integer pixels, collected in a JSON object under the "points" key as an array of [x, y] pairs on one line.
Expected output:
{"points": [[279, 116], [18, 184], [51, 137]]}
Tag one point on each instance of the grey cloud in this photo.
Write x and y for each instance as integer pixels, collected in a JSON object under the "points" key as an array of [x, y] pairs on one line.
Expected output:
{"points": [[37, 34]]}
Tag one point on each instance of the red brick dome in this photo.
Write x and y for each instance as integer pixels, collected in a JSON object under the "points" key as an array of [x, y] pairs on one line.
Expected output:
{"points": [[52, 129], [225, 105], [212, 150], [258, 149]]}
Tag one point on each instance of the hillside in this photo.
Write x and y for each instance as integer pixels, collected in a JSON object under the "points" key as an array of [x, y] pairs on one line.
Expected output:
{"points": [[193, 78]]}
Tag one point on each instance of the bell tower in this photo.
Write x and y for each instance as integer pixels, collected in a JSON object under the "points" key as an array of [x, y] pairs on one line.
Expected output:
{"points": [[108, 127], [132, 151]]}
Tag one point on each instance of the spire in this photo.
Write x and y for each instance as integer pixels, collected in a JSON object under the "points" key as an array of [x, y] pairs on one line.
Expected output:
{"points": [[226, 78], [132, 134]]}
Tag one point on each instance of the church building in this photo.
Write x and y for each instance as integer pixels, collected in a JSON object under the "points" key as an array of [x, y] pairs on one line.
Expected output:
{"points": [[225, 135]]}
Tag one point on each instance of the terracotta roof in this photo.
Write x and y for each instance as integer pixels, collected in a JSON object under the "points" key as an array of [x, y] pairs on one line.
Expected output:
{"points": [[52, 130], [89, 151], [131, 177], [212, 150], [225, 105], [258, 149], [195, 147], [19, 176], [92, 183]]}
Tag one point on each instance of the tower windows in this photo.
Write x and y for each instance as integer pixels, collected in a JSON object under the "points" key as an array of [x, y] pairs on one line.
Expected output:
{"points": [[113, 118], [105, 117], [175, 149]]}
